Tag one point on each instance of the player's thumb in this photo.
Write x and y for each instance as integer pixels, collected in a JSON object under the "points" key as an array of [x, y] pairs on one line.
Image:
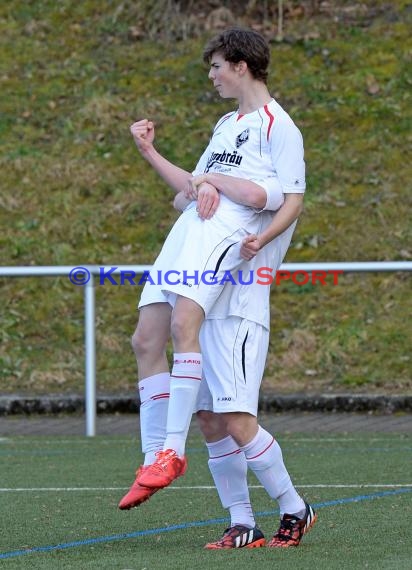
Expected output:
{"points": [[248, 239]]}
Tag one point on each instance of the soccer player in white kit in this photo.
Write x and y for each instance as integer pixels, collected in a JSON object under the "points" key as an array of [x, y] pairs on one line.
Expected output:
{"points": [[257, 142], [260, 120], [235, 340]]}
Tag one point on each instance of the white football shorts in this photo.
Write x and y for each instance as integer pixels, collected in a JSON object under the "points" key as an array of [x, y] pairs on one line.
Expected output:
{"points": [[201, 280], [198, 257], [234, 355]]}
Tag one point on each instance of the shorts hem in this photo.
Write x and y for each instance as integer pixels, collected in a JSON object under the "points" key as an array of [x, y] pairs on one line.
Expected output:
{"points": [[220, 410]]}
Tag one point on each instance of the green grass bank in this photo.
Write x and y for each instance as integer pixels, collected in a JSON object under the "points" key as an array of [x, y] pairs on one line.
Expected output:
{"points": [[74, 190]]}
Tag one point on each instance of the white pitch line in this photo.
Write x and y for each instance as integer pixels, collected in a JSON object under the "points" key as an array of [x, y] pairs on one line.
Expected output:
{"points": [[288, 438], [84, 441], [57, 489], [198, 488]]}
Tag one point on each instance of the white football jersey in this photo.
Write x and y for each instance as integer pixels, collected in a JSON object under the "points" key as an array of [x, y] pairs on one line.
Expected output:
{"points": [[260, 144], [266, 142]]}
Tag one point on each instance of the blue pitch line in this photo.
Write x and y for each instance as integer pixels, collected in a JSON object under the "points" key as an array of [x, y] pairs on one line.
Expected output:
{"points": [[182, 526], [342, 450]]}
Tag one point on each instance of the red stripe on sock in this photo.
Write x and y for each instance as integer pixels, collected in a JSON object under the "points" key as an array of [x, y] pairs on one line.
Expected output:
{"points": [[160, 396], [262, 452], [226, 454], [189, 377]]}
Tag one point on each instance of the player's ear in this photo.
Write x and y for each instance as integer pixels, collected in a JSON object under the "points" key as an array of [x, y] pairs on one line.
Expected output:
{"points": [[241, 67]]}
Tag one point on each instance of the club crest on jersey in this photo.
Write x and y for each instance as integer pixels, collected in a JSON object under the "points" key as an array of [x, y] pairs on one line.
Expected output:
{"points": [[242, 138]]}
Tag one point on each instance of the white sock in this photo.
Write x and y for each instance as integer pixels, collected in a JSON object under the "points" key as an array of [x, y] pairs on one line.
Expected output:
{"points": [[184, 388], [154, 401], [228, 467], [264, 457]]}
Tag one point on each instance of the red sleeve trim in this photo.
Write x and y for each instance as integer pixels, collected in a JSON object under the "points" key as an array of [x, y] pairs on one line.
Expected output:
{"points": [[223, 119]]}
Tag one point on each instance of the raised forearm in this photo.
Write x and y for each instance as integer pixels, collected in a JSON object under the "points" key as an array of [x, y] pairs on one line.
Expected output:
{"points": [[173, 175]]}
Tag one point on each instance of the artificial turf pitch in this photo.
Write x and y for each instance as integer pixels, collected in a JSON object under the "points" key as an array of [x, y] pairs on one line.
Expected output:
{"points": [[59, 495]]}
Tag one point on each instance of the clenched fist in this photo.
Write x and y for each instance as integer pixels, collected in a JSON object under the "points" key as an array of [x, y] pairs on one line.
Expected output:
{"points": [[250, 246], [143, 134]]}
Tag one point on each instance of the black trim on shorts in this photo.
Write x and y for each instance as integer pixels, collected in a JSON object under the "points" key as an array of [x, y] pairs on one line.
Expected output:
{"points": [[222, 256], [244, 356]]}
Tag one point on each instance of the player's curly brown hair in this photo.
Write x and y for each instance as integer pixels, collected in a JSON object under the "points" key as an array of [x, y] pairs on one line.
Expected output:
{"points": [[241, 44]]}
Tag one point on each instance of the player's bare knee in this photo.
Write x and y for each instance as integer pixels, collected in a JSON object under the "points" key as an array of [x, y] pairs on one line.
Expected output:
{"points": [[187, 318], [142, 343], [182, 331], [135, 342], [241, 426], [203, 422], [211, 425], [233, 428]]}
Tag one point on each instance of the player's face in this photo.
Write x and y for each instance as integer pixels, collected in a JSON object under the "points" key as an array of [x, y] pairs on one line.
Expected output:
{"points": [[224, 76]]}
